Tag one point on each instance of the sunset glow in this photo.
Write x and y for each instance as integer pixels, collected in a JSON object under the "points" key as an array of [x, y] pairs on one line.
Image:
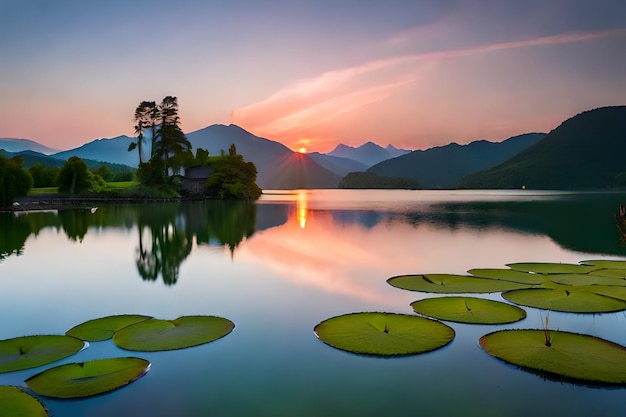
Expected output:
{"points": [[302, 150], [416, 75]]}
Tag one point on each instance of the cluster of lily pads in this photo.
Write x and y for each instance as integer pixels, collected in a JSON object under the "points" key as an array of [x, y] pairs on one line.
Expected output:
{"points": [[592, 286], [83, 379]]}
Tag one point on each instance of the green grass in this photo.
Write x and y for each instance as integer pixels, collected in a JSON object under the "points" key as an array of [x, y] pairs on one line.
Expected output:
{"points": [[43, 191], [122, 185]]}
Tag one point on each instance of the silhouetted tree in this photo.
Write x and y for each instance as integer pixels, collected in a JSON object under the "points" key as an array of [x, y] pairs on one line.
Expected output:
{"points": [[15, 181], [170, 148], [145, 117]]}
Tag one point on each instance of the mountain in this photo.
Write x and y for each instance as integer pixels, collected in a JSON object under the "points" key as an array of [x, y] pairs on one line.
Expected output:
{"points": [[584, 152], [336, 164], [444, 166], [19, 145], [30, 158], [368, 154], [113, 150], [278, 166]]}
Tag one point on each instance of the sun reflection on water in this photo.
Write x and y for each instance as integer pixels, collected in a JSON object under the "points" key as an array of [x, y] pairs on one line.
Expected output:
{"points": [[302, 208]]}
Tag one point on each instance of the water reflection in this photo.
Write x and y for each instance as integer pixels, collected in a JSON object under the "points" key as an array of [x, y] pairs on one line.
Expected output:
{"points": [[163, 243], [166, 232]]}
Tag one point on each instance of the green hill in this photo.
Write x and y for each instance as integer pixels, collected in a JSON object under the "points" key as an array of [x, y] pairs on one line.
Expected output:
{"points": [[445, 166], [584, 152]]}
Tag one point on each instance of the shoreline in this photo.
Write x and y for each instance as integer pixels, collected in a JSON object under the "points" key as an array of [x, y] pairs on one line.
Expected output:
{"points": [[59, 202]]}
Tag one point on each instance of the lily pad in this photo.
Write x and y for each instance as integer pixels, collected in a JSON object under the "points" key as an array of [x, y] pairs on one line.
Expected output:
{"points": [[609, 272], [567, 300], [609, 291], [586, 279], [187, 331], [469, 310], [452, 284], [570, 355], [103, 328], [84, 379], [14, 403], [508, 275], [384, 334], [31, 351], [606, 263], [551, 268]]}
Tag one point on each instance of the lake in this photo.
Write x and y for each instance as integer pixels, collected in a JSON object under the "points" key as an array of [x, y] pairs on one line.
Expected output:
{"points": [[280, 266]]}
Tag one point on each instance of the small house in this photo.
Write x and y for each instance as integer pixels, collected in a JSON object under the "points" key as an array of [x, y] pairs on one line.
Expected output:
{"points": [[194, 179]]}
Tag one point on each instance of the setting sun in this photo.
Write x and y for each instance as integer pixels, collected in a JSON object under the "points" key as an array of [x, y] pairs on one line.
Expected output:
{"points": [[302, 150]]}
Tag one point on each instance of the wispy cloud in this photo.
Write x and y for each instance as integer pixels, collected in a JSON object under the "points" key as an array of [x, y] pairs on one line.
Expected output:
{"points": [[313, 101]]}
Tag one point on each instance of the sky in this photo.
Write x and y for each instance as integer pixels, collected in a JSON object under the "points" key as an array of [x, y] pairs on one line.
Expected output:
{"points": [[310, 73]]}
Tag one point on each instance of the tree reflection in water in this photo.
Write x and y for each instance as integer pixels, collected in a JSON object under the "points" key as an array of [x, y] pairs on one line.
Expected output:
{"points": [[167, 232]]}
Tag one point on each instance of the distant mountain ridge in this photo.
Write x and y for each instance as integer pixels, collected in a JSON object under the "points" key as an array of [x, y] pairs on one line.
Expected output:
{"points": [[368, 154], [31, 158], [338, 165], [584, 152], [19, 145], [114, 150], [444, 166]]}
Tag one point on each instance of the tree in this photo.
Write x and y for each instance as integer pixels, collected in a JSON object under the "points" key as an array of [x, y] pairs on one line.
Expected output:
{"points": [[233, 178], [170, 148], [202, 157], [145, 117], [43, 176], [172, 144], [15, 181], [75, 177]]}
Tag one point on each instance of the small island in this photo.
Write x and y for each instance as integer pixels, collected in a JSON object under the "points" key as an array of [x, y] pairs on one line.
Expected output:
{"points": [[171, 172]]}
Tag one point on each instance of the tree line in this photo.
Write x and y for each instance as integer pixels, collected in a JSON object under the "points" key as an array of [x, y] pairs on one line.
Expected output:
{"points": [[74, 177]]}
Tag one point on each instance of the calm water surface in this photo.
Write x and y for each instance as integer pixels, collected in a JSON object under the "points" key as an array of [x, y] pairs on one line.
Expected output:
{"points": [[277, 268]]}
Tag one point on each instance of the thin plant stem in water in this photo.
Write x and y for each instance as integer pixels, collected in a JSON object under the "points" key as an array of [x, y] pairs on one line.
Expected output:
{"points": [[546, 332]]}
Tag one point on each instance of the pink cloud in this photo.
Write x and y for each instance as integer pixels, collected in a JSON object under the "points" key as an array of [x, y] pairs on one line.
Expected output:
{"points": [[304, 108]]}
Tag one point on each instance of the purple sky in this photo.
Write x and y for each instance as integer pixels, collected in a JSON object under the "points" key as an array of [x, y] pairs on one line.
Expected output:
{"points": [[310, 73]]}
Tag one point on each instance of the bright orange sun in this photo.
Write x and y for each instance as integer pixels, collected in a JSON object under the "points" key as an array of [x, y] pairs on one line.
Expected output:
{"points": [[302, 150]]}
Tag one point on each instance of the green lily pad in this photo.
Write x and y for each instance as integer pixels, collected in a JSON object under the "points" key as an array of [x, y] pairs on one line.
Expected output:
{"points": [[568, 300], [384, 334], [508, 275], [15, 403], [608, 291], [551, 268], [609, 272], [469, 310], [452, 284], [103, 328], [156, 335], [84, 379], [604, 263], [31, 351], [585, 279], [570, 355]]}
